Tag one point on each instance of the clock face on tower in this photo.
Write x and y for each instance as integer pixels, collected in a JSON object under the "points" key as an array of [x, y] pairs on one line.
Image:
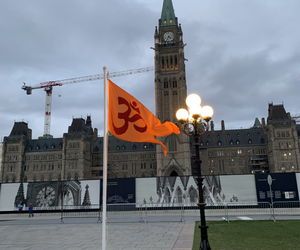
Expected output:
{"points": [[45, 196], [168, 36]]}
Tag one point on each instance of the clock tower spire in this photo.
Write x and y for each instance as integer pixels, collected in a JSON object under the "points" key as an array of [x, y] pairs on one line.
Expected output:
{"points": [[168, 14], [170, 91]]}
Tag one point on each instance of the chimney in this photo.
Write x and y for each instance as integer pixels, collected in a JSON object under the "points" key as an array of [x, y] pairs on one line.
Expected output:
{"points": [[223, 127], [212, 127], [29, 134], [95, 134], [263, 122]]}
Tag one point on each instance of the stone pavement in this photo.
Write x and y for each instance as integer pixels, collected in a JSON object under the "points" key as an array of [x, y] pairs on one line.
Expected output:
{"points": [[47, 232]]}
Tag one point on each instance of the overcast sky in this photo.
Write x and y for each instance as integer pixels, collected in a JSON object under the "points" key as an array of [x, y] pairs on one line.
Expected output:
{"points": [[241, 55]]}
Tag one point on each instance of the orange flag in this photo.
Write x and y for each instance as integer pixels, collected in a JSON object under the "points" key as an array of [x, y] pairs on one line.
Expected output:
{"points": [[130, 120]]}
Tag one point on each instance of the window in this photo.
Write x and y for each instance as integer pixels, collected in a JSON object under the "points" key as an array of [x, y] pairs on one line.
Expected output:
{"points": [[172, 144], [220, 153], [171, 21]]}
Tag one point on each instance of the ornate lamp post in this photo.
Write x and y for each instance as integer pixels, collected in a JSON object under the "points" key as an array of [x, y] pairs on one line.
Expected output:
{"points": [[195, 123]]}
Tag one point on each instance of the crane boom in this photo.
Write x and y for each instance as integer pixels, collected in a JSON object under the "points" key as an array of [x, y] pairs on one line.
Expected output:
{"points": [[85, 79], [48, 86]]}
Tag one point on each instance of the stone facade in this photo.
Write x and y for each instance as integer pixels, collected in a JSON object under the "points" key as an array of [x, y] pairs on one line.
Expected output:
{"points": [[283, 140], [48, 159], [271, 147]]}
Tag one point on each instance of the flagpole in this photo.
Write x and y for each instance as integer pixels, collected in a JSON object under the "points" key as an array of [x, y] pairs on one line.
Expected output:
{"points": [[105, 149]]}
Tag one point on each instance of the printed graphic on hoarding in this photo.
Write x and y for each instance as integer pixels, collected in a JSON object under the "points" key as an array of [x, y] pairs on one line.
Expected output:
{"points": [[50, 195], [298, 182], [90, 193], [176, 191], [12, 194], [120, 191], [238, 189], [282, 187]]}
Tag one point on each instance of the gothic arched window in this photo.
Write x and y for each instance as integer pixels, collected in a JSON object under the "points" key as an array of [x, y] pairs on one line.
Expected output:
{"points": [[172, 144], [162, 63]]}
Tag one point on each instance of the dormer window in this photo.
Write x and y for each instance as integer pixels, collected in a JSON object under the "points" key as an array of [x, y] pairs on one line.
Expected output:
{"points": [[165, 21], [171, 21]]}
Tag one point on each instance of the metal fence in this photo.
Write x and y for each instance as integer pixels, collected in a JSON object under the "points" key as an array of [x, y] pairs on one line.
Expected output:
{"points": [[83, 211], [150, 212]]}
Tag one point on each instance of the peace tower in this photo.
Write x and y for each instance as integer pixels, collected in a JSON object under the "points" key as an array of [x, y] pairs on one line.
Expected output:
{"points": [[170, 91]]}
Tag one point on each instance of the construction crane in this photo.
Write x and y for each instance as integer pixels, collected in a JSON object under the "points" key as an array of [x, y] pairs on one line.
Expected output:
{"points": [[296, 118], [48, 86]]}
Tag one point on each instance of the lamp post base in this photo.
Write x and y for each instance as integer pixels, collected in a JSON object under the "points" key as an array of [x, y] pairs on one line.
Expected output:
{"points": [[204, 244]]}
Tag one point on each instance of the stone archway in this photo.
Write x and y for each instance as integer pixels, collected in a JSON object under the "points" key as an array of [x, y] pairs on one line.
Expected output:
{"points": [[173, 171]]}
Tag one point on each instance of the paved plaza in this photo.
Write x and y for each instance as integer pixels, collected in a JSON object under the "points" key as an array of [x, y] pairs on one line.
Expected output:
{"points": [[47, 232]]}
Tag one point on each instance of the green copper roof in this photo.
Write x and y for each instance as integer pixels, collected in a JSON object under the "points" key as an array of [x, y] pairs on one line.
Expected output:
{"points": [[257, 123], [167, 14]]}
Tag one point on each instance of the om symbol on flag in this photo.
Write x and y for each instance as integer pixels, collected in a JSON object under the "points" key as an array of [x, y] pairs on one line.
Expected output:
{"points": [[127, 119]]}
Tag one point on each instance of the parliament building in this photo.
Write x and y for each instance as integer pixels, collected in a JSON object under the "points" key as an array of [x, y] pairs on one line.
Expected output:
{"points": [[270, 146]]}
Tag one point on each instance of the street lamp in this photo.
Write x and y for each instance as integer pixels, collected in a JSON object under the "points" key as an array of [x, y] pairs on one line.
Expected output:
{"points": [[195, 123]]}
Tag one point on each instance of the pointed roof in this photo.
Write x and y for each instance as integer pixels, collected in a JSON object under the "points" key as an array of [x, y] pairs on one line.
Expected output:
{"points": [[277, 114], [257, 123], [167, 14]]}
